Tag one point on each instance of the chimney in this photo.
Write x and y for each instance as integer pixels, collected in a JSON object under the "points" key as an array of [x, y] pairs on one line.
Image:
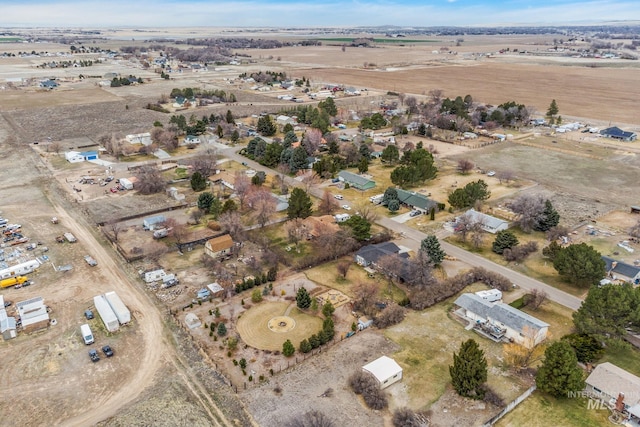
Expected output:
{"points": [[620, 402]]}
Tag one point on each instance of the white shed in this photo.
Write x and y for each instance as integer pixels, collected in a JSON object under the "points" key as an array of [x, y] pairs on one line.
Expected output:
{"points": [[385, 370]]}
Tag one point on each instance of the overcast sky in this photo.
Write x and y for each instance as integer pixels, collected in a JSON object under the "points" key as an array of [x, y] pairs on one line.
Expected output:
{"points": [[310, 13]]}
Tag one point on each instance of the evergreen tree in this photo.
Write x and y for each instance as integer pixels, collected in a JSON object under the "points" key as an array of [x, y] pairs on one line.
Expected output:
{"points": [[559, 373], [329, 106], [305, 346], [389, 195], [235, 136], [229, 206], [298, 159], [299, 204], [229, 117], [505, 239], [215, 208], [588, 349], [222, 329], [204, 201], [360, 227], [287, 128], [548, 219], [288, 349], [607, 311], [431, 246], [266, 126], [394, 205], [553, 109], [363, 165], [303, 299], [328, 309], [198, 181], [390, 154], [289, 138], [580, 264], [469, 370]]}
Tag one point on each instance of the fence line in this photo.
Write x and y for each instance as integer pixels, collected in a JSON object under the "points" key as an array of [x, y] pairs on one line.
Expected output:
{"points": [[510, 407]]}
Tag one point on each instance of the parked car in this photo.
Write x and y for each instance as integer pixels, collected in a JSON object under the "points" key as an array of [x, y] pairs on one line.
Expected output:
{"points": [[107, 351], [88, 314], [415, 213], [338, 196], [346, 207], [93, 354], [491, 173]]}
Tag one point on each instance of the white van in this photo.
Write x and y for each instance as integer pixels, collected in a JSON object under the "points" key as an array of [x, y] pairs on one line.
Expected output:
{"points": [[87, 335]]}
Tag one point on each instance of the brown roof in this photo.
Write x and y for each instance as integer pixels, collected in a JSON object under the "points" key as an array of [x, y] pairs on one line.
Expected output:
{"points": [[318, 225], [220, 243]]}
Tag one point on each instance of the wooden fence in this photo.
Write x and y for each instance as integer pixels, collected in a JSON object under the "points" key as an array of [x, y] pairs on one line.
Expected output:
{"points": [[510, 407]]}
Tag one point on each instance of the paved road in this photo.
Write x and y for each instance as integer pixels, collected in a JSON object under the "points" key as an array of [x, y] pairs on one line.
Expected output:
{"points": [[521, 280]]}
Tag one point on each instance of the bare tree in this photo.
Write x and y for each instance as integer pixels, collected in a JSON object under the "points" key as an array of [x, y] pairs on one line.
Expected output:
{"points": [[311, 140], [296, 230], [154, 251], [505, 176], [367, 211], [528, 208], [401, 98], [150, 180], [420, 270], [524, 354], [364, 297], [555, 233], [115, 228], [312, 418], [464, 225], [241, 186], [196, 215], [328, 204], [54, 147], [310, 180], [389, 266], [465, 166], [343, 268], [535, 298], [179, 230], [231, 222], [477, 235], [206, 162], [262, 203], [350, 153], [412, 104]]}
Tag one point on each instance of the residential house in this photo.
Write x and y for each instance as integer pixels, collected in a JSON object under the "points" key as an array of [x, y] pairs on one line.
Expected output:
{"points": [[224, 179], [416, 201], [152, 222], [219, 246], [617, 133], [48, 84], [500, 321], [33, 314], [77, 156], [617, 388], [618, 270], [216, 289], [285, 120], [139, 138], [356, 181], [191, 139], [385, 370], [489, 223], [370, 254]]}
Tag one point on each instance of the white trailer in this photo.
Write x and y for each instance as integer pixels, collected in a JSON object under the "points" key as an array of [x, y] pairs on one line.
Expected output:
{"points": [[122, 312], [491, 295], [70, 237], [106, 313], [19, 269], [154, 276]]}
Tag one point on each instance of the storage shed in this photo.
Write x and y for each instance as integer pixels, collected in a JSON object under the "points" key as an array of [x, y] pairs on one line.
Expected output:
{"points": [[7, 323], [33, 314], [106, 313], [385, 370], [151, 222]]}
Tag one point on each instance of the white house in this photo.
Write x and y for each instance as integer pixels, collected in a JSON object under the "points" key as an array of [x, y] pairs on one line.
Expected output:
{"points": [[385, 370], [33, 314], [614, 385], [500, 321], [73, 157], [153, 276], [139, 138], [489, 223]]}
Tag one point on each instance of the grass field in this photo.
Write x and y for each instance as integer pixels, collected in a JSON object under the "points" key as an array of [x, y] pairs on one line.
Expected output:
{"points": [[254, 331], [428, 340], [392, 41]]}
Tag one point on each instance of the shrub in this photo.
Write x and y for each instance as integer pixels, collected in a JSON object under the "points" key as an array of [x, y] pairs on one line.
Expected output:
{"points": [[493, 398], [391, 315], [405, 417]]}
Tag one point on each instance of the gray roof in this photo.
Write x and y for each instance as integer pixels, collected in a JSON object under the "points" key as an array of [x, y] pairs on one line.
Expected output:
{"points": [[371, 253], [611, 380], [621, 268], [484, 219], [499, 312], [356, 180], [415, 199]]}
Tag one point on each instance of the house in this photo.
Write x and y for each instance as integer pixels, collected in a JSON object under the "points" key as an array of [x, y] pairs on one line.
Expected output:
{"points": [[218, 246], [617, 270], [499, 321], [285, 120], [489, 223], [616, 387], [73, 157], [33, 314], [617, 133], [154, 276], [356, 181], [89, 155], [139, 138], [364, 322], [152, 222], [192, 321], [370, 254], [225, 179], [385, 370], [48, 84], [416, 201], [191, 139]]}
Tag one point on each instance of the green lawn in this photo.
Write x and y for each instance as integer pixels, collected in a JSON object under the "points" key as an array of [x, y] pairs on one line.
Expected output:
{"points": [[541, 410], [625, 358]]}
